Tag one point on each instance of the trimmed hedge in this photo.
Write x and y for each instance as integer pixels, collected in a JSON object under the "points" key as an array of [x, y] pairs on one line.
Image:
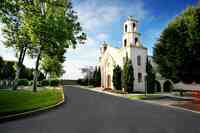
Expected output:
{"points": [[45, 82], [23, 82], [54, 82]]}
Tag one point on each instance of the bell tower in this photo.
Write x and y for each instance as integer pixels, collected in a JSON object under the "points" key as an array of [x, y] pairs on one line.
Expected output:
{"points": [[130, 35]]}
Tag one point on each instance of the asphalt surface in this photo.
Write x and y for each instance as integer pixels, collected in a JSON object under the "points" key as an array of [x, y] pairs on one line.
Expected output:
{"points": [[91, 112]]}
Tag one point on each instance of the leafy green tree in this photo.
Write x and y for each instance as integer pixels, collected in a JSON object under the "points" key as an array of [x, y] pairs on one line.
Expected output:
{"points": [[97, 77], [128, 76], [177, 52], [52, 29], [151, 78], [1, 66], [41, 76], [8, 70], [52, 66], [10, 16], [26, 73], [117, 77]]}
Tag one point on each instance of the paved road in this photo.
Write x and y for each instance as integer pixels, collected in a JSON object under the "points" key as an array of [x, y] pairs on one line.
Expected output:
{"points": [[91, 112]]}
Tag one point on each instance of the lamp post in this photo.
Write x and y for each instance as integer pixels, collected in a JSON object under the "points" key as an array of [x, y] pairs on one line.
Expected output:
{"points": [[146, 85], [88, 75]]}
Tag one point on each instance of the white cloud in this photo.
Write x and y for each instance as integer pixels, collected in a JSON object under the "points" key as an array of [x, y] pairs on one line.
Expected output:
{"points": [[102, 36], [137, 10], [72, 70], [93, 16]]}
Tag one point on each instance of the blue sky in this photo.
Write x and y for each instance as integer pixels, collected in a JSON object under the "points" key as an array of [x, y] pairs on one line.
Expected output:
{"points": [[102, 20]]}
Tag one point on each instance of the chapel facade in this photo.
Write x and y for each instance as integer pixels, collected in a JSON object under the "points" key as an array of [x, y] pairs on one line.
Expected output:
{"points": [[131, 48]]}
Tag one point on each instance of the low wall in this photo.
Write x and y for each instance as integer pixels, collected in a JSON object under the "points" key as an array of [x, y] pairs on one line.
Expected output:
{"points": [[192, 87], [68, 82]]}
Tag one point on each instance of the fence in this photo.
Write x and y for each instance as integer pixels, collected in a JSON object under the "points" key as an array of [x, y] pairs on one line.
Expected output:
{"points": [[6, 84]]}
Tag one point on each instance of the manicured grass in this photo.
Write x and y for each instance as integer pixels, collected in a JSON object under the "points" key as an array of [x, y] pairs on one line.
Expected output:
{"points": [[12, 102], [143, 97]]}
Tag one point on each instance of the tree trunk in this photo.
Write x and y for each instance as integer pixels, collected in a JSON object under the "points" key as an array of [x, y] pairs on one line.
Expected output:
{"points": [[19, 65], [36, 72], [45, 75]]}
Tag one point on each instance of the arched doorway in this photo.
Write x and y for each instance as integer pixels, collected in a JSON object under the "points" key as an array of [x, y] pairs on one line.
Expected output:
{"points": [[108, 81], [157, 86], [167, 86]]}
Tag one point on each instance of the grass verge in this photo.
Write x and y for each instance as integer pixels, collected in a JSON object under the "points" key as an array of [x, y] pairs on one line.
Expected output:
{"points": [[12, 102], [143, 97]]}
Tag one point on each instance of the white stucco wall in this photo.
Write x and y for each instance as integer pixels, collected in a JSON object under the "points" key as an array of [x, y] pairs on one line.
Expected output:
{"points": [[142, 52]]}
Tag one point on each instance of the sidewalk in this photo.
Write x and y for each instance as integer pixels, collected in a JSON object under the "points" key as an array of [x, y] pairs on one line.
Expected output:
{"points": [[178, 97], [99, 89]]}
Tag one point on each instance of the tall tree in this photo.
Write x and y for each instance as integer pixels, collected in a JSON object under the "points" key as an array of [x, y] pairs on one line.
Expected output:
{"points": [[1, 66], [97, 77], [117, 77], [128, 76], [52, 67], [10, 16], [177, 52], [52, 29], [151, 78], [8, 70]]}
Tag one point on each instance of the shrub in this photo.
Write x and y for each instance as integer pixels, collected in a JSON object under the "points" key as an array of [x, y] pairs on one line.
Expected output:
{"points": [[54, 82], [23, 82], [128, 76], [117, 76], [79, 81], [151, 78], [96, 81], [85, 82], [45, 82], [31, 82]]}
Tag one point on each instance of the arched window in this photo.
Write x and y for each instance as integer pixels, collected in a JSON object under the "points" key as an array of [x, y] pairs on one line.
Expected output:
{"points": [[134, 26], [136, 40], [126, 28], [138, 60], [125, 42], [104, 48], [139, 77]]}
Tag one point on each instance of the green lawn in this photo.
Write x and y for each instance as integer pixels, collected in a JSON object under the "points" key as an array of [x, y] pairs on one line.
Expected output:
{"points": [[143, 97], [12, 102]]}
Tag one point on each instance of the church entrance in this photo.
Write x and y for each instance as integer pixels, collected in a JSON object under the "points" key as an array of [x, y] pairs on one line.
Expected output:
{"points": [[108, 81]]}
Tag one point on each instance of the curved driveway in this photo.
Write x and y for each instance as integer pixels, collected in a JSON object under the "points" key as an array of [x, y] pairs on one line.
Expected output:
{"points": [[91, 112]]}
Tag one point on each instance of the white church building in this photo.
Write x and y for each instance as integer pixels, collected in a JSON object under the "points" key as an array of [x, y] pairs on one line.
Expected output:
{"points": [[131, 48]]}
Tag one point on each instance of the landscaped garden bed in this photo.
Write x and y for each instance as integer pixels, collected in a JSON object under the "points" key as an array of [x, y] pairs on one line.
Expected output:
{"points": [[191, 105], [144, 97], [13, 102]]}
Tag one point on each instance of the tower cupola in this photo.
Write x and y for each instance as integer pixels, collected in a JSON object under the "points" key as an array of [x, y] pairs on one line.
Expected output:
{"points": [[130, 35]]}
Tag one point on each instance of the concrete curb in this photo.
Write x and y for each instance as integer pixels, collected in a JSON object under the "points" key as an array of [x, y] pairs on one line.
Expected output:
{"points": [[158, 104], [31, 113]]}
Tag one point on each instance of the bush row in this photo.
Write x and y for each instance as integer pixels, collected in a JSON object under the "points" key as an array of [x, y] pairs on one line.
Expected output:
{"points": [[25, 82], [85, 82]]}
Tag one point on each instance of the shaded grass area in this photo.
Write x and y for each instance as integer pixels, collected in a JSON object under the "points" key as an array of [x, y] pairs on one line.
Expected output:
{"points": [[143, 97], [12, 102]]}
